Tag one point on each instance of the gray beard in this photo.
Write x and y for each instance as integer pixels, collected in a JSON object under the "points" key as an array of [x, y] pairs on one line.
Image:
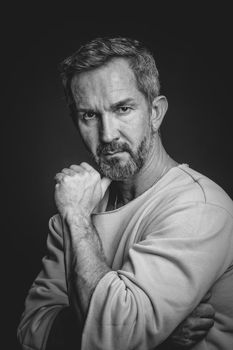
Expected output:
{"points": [[114, 170]]}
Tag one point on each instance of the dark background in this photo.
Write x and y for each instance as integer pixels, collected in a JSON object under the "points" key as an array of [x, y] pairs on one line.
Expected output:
{"points": [[192, 47]]}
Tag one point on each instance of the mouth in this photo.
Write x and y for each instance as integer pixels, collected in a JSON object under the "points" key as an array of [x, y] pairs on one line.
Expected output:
{"points": [[112, 154]]}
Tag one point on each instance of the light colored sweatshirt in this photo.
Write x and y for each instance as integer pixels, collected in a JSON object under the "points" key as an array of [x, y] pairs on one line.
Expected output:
{"points": [[167, 248]]}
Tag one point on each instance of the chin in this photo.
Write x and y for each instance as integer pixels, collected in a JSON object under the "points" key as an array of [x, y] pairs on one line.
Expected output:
{"points": [[118, 171]]}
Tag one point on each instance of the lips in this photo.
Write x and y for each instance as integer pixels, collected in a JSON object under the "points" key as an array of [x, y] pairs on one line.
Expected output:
{"points": [[111, 153], [112, 148]]}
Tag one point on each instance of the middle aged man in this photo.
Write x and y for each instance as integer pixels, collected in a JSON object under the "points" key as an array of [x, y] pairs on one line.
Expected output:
{"points": [[133, 252]]}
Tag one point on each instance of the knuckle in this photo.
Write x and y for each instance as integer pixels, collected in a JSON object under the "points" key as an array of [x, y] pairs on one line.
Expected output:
{"points": [[84, 163], [204, 310], [209, 311], [65, 179], [190, 323], [210, 323], [58, 177], [73, 167], [96, 175], [199, 311], [80, 174]]}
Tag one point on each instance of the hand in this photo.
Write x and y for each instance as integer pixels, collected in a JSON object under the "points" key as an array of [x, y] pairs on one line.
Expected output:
{"points": [[78, 190], [195, 327]]}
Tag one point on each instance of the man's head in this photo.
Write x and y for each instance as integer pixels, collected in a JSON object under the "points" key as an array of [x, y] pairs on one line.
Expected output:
{"points": [[100, 51], [112, 90]]}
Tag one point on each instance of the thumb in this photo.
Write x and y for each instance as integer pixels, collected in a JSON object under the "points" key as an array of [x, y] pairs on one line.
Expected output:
{"points": [[105, 182]]}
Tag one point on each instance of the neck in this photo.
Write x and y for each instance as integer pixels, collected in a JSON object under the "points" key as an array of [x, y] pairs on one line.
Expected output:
{"points": [[156, 166]]}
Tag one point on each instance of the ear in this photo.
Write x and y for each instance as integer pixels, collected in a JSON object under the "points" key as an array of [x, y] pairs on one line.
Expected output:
{"points": [[159, 109]]}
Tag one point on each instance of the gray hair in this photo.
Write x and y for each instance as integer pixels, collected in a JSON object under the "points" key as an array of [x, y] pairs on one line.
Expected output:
{"points": [[99, 52]]}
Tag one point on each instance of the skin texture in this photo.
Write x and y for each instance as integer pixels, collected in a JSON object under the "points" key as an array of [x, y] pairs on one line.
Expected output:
{"points": [[110, 111], [80, 189], [104, 120], [100, 122]]}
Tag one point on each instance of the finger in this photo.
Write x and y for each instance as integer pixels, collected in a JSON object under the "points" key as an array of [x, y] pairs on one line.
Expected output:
{"points": [[204, 310], [202, 324], [77, 168], [87, 167], [58, 177], [105, 182], [181, 343], [69, 172], [198, 335], [206, 297]]}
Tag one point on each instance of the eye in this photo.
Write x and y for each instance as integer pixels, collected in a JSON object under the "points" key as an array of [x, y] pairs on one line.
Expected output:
{"points": [[123, 109], [88, 115]]}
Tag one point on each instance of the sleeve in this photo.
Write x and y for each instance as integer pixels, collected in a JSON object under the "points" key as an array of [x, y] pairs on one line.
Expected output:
{"points": [[162, 279], [47, 295]]}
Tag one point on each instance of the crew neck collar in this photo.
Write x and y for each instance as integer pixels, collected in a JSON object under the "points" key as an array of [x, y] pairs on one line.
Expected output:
{"points": [[103, 205]]}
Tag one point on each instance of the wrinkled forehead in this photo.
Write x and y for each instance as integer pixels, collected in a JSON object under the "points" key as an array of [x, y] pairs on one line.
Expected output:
{"points": [[108, 81]]}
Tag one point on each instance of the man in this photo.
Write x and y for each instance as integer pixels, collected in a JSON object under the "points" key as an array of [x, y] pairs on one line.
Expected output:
{"points": [[135, 251]]}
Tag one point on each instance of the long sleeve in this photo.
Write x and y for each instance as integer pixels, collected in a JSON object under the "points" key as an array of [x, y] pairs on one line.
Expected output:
{"points": [[166, 248], [163, 278], [48, 294]]}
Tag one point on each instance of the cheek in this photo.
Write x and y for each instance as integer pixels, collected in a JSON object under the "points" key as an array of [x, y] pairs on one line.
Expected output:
{"points": [[90, 137], [138, 129]]}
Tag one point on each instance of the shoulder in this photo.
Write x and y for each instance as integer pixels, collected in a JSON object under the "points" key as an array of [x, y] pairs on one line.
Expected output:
{"points": [[188, 203], [198, 187]]}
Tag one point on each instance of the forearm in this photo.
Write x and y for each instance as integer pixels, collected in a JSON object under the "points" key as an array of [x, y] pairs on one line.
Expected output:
{"points": [[88, 263], [78, 191]]}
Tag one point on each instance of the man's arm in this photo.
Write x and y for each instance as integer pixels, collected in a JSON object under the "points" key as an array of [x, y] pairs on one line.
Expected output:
{"points": [[49, 317], [48, 293], [48, 296], [65, 332], [88, 261], [78, 191]]}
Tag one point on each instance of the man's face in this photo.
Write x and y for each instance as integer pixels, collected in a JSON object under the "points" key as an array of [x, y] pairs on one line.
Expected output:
{"points": [[113, 118]]}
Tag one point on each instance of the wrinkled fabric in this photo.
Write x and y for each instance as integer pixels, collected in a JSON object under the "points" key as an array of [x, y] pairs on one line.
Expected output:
{"points": [[167, 248]]}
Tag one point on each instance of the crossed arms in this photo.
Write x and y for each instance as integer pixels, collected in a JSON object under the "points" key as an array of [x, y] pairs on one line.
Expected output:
{"points": [[81, 281]]}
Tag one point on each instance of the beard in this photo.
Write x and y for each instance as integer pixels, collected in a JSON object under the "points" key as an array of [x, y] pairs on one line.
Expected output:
{"points": [[112, 168]]}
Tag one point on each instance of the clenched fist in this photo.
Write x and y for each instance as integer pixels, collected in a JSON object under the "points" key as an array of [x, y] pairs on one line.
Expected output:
{"points": [[78, 190]]}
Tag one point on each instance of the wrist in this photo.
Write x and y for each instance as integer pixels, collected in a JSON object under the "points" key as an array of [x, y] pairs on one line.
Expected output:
{"points": [[79, 226], [77, 219]]}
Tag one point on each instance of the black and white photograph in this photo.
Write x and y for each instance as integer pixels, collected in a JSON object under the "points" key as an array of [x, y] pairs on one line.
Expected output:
{"points": [[118, 180]]}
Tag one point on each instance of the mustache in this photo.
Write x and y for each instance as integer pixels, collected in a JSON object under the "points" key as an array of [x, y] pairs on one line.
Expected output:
{"points": [[113, 146]]}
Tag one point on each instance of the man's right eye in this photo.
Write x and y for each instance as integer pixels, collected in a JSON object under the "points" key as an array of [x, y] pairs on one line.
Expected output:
{"points": [[88, 115]]}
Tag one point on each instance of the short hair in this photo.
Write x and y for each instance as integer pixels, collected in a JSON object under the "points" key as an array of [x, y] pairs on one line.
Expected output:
{"points": [[100, 51]]}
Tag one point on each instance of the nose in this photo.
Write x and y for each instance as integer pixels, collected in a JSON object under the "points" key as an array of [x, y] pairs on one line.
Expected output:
{"points": [[108, 129]]}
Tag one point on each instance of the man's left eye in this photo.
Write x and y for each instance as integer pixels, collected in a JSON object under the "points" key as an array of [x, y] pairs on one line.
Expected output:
{"points": [[124, 109]]}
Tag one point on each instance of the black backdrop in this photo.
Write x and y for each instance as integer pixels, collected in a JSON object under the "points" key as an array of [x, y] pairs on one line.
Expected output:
{"points": [[192, 52]]}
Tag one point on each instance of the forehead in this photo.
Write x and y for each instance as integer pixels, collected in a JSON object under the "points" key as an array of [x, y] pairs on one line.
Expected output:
{"points": [[113, 80]]}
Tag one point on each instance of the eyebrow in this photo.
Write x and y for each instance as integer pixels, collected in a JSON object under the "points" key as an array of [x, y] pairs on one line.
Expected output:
{"points": [[113, 107], [126, 101]]}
